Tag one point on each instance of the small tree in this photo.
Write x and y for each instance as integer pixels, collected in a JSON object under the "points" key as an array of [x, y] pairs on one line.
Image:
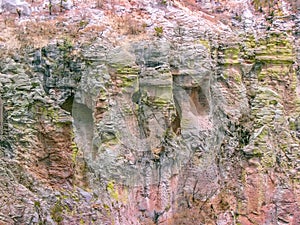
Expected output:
{"points": [[50, 7], [19, 12], [61, 5]]}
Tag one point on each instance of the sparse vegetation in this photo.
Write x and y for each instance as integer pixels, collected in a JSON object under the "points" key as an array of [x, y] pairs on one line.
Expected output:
{"points": [[57, 212], [191, 4], [61, 5], [99, 3], [127, 24], [158, 31], [163, 2], [38, 33], [74, 152], [260, 4], [112, 191], [50, 7], [258, 78]]}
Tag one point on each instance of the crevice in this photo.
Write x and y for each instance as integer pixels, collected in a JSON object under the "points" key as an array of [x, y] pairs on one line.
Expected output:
{"points": [[1, 119], [176, 124], [5, 145], [68, 104], [141, 117], [199, 100]]}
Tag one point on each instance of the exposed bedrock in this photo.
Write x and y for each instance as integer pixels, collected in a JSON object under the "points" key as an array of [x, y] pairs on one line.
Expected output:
{"points": [[200, 127], [173, 131]]}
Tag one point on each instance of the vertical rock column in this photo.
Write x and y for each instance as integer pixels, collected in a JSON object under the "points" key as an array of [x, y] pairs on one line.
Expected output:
{"points": [[1, 119], [272, 150]]}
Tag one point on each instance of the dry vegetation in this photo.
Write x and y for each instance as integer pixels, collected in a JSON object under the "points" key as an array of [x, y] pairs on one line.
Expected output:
{"points": [[77, 24], [128, 25], [191, 4], [38, 33]]}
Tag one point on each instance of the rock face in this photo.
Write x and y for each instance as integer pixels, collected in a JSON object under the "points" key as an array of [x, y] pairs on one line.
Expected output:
{"points": [[196, 122], [13, 5]]}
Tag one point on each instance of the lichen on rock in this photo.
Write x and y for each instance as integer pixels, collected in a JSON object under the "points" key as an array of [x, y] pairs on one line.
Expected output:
{"points": [[196, 125]]}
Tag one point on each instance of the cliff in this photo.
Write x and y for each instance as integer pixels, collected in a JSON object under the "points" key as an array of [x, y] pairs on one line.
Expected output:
{"points": [[150, 112]]}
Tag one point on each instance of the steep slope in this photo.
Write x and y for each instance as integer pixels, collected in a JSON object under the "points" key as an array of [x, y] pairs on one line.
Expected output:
{"points": [[142, 112]]}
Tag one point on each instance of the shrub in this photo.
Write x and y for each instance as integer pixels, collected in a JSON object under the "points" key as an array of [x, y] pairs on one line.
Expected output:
{"points": [[159, 31], [57, 212], [127, 24], [163, 2]]}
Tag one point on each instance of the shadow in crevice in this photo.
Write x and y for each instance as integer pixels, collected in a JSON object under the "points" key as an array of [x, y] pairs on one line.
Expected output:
{"points": [[192, 108], [199, 100], [68, 104], [175, 124]]}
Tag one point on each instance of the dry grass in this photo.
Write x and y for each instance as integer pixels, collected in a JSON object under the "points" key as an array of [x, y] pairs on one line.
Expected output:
{"points": [[15, 34], [128, 25], [40, 28], [191, 4], [38, 33], [92, 30]]}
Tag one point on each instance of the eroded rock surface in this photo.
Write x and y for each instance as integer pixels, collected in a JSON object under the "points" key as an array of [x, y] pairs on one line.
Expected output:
{"points": [[194, 123]]}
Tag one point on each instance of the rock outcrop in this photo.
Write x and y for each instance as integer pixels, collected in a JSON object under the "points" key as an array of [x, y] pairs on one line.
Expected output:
{"points": [[13, 6], [189, 117]]}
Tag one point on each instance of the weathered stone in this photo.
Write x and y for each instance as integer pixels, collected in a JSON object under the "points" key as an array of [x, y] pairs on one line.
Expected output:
{"points": [[13, 5], [198, 124]]}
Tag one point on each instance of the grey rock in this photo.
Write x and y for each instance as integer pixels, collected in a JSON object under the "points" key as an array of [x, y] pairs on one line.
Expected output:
{"points": [[13, 5]]}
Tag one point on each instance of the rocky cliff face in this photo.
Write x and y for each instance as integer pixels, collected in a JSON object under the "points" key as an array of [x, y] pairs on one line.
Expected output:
{"points": [[169, 112]]}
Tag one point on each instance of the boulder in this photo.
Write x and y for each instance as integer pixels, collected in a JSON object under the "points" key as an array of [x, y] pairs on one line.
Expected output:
{"points": [[13, 5]]}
